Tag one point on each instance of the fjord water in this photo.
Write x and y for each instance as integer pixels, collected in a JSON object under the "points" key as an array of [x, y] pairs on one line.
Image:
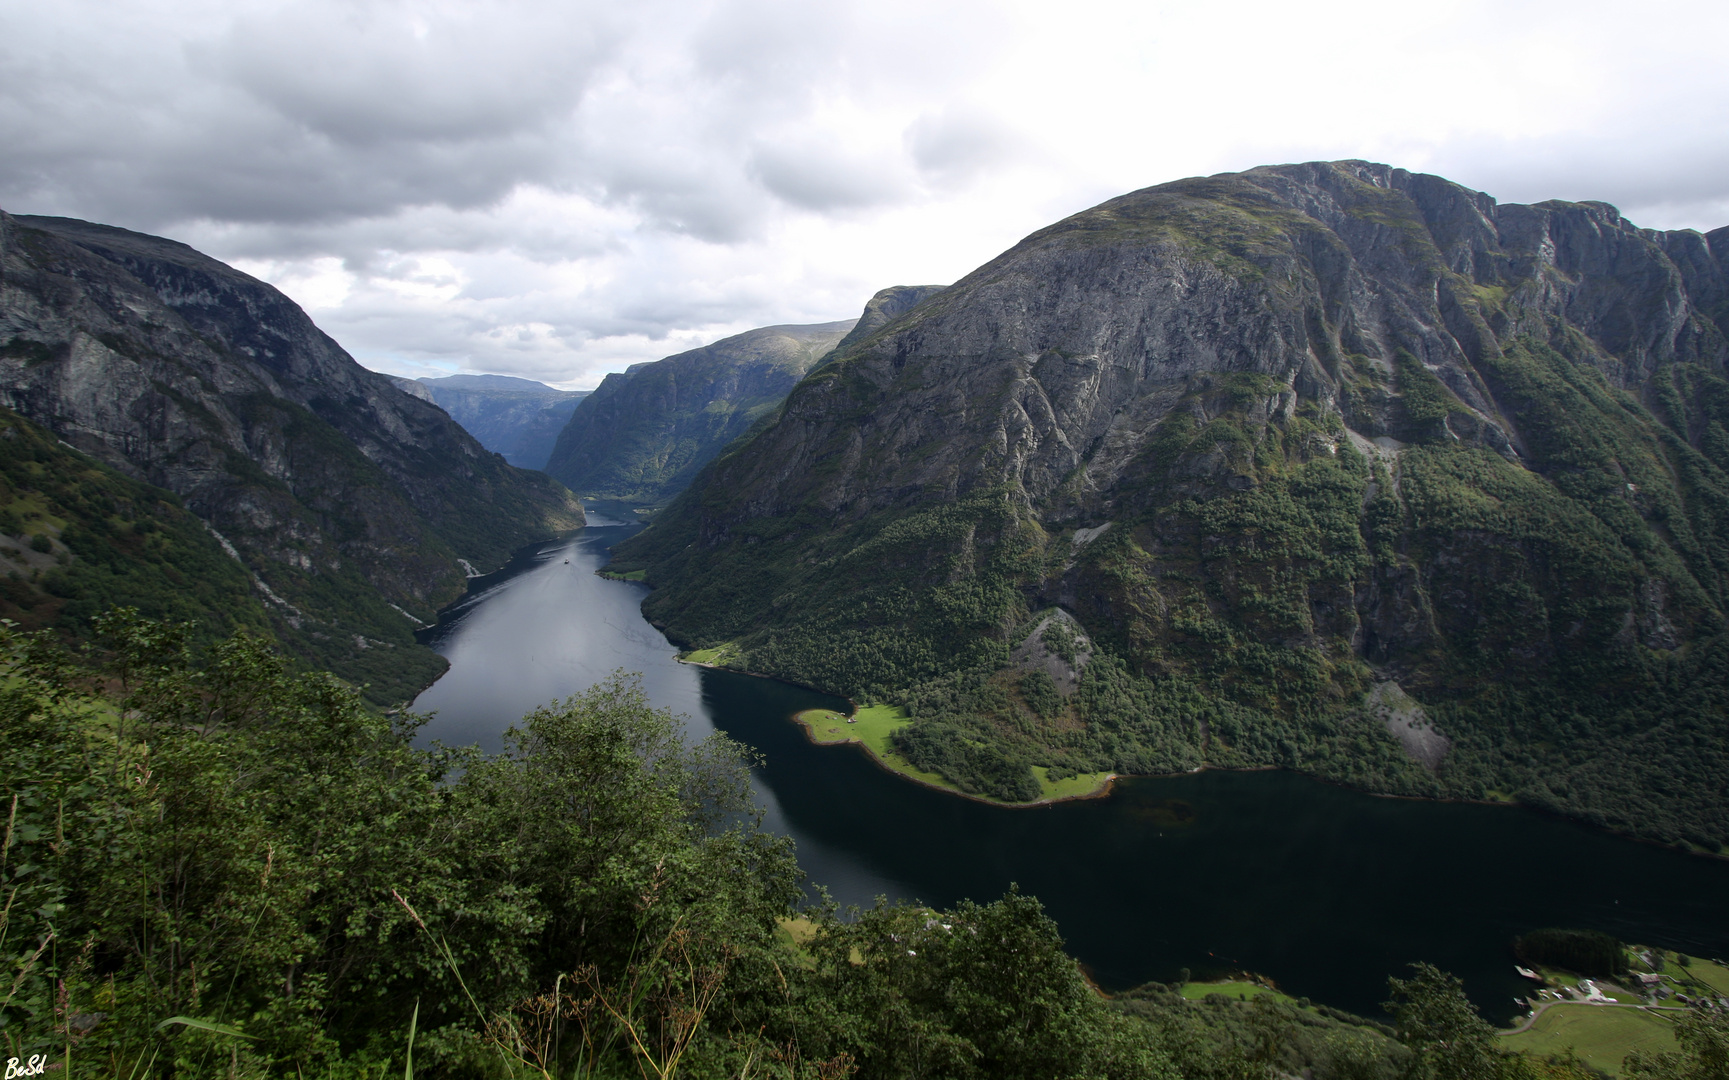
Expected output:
{"points": [[1328, 891]]}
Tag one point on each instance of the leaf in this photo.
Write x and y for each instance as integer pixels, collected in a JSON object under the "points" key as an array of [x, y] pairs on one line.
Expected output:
{"points": [[204, 1025], [413, 1021]]}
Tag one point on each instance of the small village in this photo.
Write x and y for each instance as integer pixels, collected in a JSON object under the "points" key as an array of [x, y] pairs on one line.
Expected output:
{"points": [[1603, 1018]]}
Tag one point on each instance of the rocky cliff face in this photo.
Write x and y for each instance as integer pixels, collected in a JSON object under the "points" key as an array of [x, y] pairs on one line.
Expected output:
{"points": [[345, 497], [1060, 358], [642, 435], [885, 307], [1273, 438], [518, 418]]}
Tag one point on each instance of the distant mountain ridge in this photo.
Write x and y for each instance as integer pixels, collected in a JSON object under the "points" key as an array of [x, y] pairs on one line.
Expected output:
{"points": [[647, 432], [351, 503], [643, 434], [518, 418], [1339, 467]]}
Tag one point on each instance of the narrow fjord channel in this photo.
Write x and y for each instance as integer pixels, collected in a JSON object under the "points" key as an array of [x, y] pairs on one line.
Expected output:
{"points": [[1325, 890]]}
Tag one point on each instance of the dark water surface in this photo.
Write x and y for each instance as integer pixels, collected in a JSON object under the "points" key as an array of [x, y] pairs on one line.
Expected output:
{"points": [[1326, 890]]}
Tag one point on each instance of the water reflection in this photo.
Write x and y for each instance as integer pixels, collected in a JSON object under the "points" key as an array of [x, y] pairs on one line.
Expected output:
{"points": [[1326, 890], [546, 626], [541, 629]]}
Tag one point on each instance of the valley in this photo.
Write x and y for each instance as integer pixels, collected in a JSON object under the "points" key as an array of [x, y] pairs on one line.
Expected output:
{"points": [[1319, 888], [1306, 583], [1332, 467], [518, 419]]}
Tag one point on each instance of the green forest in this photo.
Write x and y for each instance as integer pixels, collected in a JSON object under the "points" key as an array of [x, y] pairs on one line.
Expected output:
{"points": [[78, 537], [218, 864], [1561, 619]]}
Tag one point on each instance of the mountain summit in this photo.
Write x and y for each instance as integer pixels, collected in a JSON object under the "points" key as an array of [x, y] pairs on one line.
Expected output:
{"points": [[1333, 466]]}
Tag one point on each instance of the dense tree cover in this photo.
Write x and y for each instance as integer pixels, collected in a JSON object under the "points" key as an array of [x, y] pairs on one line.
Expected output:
{"points": [[230, 868], [1589, 952], [1559, 616], [119, 541], [1447, 1038], [918, 596], [111, 540], [253, 848]]}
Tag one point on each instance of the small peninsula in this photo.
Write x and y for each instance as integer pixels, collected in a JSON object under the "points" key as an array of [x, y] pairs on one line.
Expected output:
{"points": [[873, 727]]}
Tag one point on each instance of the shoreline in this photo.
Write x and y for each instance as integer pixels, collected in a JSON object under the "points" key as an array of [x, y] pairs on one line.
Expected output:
{"points": [[1106, 787], [803, 720], [1101, 791]]}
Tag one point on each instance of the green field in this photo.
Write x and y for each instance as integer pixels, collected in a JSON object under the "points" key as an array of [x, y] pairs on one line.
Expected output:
{"points": [[1554, 978], [1075, 787], [1235, 989], [1712, 974], [629, 575], [875, 724], [717, 656], [1601, 1035], [825, 725]]}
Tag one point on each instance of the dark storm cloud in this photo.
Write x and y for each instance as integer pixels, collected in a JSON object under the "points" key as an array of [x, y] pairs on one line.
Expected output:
{"points": [[330, 111], [368, 79]]}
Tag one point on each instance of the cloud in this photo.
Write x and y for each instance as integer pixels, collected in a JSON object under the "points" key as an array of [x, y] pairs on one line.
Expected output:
{"points": [[396, 73], [825, 174], [952, 146], [558, 188]]}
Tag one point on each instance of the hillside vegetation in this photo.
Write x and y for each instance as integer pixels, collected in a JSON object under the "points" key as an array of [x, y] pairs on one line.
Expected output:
{"points": [[220, 867], [77, 538], [1332, 467], [350, 505]]}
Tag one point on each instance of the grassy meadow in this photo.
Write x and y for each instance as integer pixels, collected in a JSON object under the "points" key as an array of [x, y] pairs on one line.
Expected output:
{"points": [[1601, 1036], [874, 726]]}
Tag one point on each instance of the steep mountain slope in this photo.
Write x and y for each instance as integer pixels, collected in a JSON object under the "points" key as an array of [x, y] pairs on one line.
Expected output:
{"points": [[518, 418], [643, 434], [1291, 445], [77, 537], [885, 307], [351, 503]]}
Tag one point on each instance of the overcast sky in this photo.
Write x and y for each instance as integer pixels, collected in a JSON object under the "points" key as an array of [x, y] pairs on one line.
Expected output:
{"points": [[559, 189]]}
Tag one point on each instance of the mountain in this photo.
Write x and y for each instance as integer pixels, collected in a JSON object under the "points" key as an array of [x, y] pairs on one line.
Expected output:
{"points": [[643, 434], [886, 306], [519, 418], [352, 505], [77, 538], [1329, 466]]}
